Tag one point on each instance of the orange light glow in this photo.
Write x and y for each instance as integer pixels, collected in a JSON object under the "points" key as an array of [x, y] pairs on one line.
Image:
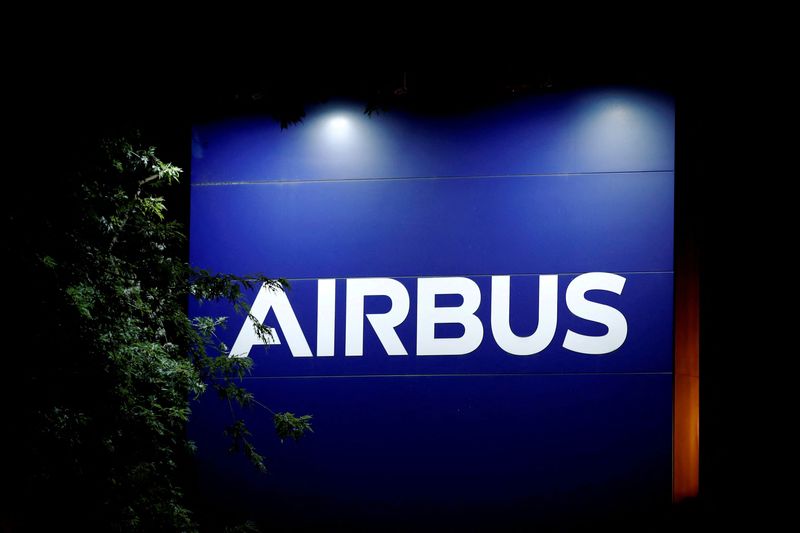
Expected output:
{"points": [[686, 406]]}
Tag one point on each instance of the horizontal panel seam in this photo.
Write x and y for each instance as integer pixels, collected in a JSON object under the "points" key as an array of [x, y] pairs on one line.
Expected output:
{"points": [[417, 276], [268, 181], [517, 374]]}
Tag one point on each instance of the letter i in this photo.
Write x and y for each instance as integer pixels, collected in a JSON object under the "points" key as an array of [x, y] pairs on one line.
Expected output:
{"points": [[326, 317]]}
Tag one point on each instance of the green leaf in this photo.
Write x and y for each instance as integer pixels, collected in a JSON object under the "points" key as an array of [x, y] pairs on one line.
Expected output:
{"points": [[113, 413], [287, 425]]}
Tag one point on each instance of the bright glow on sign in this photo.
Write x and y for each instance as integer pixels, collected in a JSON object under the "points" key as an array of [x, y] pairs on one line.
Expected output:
{"points": [[338, 124], [338, 130], [342, 138], [616, 130]]}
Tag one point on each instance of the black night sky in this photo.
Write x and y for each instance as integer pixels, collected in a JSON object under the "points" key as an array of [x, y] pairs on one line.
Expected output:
{"points": [[60, 107]]}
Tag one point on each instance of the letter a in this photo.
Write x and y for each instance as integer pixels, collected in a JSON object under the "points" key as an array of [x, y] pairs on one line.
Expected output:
{"points": [[271, 298]]}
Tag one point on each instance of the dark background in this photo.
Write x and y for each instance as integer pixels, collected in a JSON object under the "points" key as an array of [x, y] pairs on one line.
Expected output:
{"points": [[725, 201]]}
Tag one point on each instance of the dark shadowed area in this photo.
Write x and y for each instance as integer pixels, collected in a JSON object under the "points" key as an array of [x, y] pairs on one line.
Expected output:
{"points": [[61, 109]]}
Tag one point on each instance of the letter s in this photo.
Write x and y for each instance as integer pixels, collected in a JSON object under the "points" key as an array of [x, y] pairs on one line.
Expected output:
{"points": [[595, 312]]}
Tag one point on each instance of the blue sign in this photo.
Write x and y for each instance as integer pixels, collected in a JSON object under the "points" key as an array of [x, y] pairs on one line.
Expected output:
{"points": [[480, 311]]}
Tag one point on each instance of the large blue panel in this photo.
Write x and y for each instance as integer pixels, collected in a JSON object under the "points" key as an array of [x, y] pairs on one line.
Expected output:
{"points": [[461, 448], [564, 184], [600, 131], [432, 227]]}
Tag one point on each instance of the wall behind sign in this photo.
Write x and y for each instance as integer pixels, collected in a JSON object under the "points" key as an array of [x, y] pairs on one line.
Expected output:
{"points": [[563, 185]]}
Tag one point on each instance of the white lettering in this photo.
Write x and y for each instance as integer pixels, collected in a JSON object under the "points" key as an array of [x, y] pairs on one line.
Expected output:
{"points": [[428, 315], [383, 324], [603, 314], [275, 299], [326, 317], [548, 316]]}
